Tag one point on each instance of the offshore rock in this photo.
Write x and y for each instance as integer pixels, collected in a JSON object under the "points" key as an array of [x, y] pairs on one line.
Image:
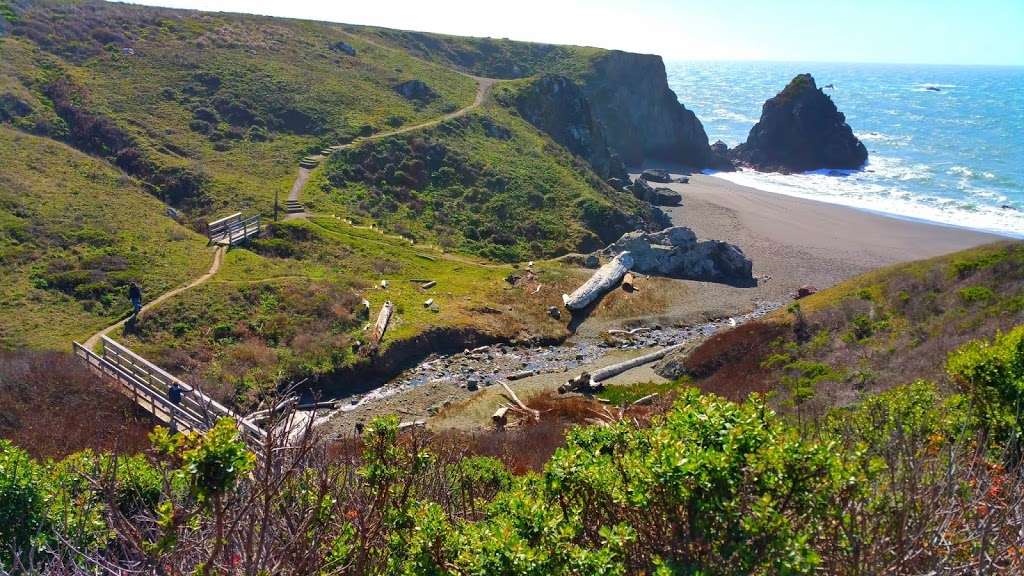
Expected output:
{"points": [[801, 129]]}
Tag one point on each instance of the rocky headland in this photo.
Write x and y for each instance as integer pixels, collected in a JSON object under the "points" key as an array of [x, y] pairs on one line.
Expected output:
{"points": [[800, 129]]}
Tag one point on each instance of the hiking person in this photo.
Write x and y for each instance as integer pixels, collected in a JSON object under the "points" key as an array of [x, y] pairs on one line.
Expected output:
{"points": [[174, 393], [135, 295]]}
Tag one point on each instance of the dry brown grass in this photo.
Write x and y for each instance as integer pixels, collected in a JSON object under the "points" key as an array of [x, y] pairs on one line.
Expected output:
{"points": [[51, 406]]}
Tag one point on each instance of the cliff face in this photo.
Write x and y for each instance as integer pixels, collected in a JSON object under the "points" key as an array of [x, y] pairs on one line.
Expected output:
{"points": [[556, 105], [629, 95], [800, 129]]}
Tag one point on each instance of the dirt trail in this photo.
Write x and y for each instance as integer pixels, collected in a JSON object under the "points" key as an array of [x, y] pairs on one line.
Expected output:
{"points": [[218, 260], [483, 88]]}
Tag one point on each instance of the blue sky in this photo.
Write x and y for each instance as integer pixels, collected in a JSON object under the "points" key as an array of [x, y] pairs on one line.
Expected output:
{"points": [[912, 31]]}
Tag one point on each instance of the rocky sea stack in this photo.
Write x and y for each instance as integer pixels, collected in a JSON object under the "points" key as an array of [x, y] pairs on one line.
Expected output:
{"points": [[800, 129]]}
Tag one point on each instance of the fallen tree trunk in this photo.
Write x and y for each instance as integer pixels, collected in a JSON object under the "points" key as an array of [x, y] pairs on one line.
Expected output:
{"points": [[606, 278], [514, 398], [382, 324], [616, 369]]}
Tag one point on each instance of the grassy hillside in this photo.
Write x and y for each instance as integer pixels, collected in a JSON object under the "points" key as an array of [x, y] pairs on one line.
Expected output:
{"points": [[871, 333], [487, 183], [491, 57], [73, 233], [214, 109]]}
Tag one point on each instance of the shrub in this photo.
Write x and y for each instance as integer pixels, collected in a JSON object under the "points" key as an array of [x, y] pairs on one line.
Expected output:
{"points": [[976, 294], [991, 374], [22, 502]]}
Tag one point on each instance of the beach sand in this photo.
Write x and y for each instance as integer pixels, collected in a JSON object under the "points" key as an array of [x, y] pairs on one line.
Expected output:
{"points": [[793, 242]]}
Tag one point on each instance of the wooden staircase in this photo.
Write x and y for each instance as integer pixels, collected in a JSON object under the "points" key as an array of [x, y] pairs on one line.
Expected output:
{"points": [[294, 207]]}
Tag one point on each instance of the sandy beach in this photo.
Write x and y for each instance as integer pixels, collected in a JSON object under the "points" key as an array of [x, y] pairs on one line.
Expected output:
{"points": [[793, 241]]}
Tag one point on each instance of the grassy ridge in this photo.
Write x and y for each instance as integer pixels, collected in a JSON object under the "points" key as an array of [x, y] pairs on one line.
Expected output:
{"points": [[73, 232], [492, 57], [234, 99]]}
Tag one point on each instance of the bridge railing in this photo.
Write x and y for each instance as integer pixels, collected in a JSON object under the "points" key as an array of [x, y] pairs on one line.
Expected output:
{"points": [[149, 384], [233, 229], [142, 393]]}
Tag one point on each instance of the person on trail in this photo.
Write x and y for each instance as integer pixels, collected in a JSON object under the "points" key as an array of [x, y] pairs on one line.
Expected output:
{"points": [[135, 295], [174, 393]]}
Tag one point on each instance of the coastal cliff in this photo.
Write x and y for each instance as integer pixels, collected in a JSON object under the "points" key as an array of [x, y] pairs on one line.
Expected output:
{"points": [[556, 105], [800, 129], [643, 118]]}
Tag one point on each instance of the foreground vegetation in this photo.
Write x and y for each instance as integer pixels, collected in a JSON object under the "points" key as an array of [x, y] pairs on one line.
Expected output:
{"points": [[906, 482]]}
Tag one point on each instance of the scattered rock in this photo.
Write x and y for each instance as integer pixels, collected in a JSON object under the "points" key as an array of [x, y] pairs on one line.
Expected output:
{"points": [[801, 129], [675, 252], [343, 47], [656, 175], [416, 90], [619, 183], [667, 197], [805, 291]]}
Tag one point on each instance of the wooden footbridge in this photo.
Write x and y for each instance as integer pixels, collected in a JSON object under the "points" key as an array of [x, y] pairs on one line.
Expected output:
{"points": [[148, 385], [233, 229]]}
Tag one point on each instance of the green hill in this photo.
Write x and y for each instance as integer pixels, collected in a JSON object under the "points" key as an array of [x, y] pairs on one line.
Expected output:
{"points": [[73, 232]]}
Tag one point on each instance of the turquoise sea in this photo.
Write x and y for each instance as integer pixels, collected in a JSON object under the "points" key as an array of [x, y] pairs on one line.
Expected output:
{"points": [[945, 143]]}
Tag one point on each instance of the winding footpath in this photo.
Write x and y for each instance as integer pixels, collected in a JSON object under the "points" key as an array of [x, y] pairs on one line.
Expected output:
{"points": [[218, 260], [483, 88]]}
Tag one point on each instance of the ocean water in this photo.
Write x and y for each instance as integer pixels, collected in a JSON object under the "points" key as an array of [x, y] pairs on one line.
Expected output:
{"points": [[953, 156]]}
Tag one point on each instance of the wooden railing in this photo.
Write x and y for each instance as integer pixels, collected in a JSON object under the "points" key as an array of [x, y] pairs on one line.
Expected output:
{"points": [[148, 385], [233, 229]]}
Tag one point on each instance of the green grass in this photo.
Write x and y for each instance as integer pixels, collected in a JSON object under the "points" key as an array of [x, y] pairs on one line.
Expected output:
{"points": [[488, 184], [289, 307], [277, 70], [622, 395], [73, 232]]}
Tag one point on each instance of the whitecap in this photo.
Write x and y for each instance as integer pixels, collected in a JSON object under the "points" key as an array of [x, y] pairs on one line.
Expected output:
{"points": [[875, 192]]}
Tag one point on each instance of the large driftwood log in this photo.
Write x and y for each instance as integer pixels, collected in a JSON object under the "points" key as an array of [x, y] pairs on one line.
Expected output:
{"points": [[382, 323], [606, 278]]}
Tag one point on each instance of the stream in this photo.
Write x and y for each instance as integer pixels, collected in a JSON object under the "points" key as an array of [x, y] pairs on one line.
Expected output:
{"points": [[487, 365]]}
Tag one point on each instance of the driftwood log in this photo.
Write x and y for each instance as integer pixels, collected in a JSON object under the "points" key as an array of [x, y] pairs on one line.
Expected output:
{"points": [[382, 324], [606, 278]]}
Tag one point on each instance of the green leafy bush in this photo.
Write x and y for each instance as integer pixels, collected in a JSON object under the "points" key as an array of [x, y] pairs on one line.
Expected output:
{"points": [[991, 374]]}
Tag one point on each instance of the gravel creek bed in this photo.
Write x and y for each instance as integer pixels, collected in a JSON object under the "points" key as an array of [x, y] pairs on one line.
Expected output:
{"points": [[438, 380]]}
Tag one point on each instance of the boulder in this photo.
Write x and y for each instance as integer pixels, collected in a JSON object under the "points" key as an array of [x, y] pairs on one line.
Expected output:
{"points": [[666, 197], [416, 90], [619, 183], [657, 196], [343, 47], [675, 252], [801, 129], [654, 175]]}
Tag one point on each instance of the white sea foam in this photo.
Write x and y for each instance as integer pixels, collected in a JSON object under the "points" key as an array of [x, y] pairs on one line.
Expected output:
{"points": [[886, 138], [870, 189]]}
